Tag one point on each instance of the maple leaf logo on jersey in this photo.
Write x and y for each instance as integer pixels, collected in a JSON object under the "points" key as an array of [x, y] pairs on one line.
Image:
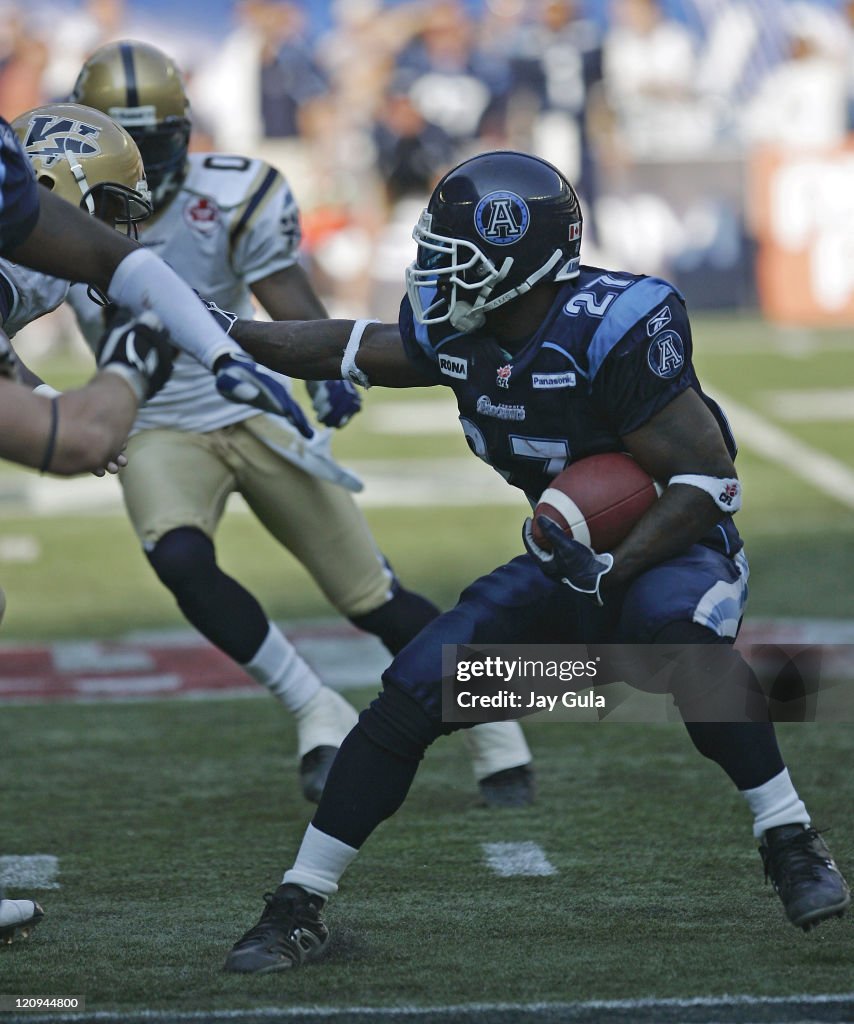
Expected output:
{"points": [[202, 214], [502, 377]]}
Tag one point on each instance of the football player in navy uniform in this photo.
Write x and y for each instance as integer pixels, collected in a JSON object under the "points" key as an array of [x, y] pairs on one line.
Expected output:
{"points": [[550, 361]]}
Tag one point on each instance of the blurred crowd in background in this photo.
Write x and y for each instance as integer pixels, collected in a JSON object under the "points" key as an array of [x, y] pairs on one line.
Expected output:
{"points": [[653, 109]]}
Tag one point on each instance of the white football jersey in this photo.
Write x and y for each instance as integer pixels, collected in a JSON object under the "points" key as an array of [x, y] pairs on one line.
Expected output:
{"points": [[31, 295], [234, 222]]}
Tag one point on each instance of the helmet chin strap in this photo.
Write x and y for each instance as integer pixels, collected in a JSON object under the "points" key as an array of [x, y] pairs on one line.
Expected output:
{"points": [[466, 317], [83, 185]]}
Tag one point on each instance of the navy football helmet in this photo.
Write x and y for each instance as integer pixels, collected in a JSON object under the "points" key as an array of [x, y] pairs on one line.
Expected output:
{"points": [[495, 226]]}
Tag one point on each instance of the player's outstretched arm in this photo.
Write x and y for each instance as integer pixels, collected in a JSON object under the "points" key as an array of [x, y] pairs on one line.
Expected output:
{"points": [[91, 425], [82, 430], [683, 440], [288, 294], [315, 350], [68, 243], [35, 383]]}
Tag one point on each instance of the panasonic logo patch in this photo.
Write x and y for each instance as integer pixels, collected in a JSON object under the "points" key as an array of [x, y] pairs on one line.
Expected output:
{"points": [[453, 366], [548, 381]]}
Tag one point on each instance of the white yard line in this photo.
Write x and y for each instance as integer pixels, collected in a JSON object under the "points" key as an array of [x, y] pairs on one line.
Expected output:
{"points": [[653, 1011], [413, 418], [36, 871], [511, 860], [455, 481], [811, 405], [757, 434]]}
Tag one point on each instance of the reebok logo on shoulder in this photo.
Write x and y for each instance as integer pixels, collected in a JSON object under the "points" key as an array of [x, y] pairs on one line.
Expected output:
{"points": [[658, 320], [454, 366]]}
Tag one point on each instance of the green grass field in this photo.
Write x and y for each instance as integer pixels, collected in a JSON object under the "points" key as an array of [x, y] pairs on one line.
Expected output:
{"points": [[170, 819]]}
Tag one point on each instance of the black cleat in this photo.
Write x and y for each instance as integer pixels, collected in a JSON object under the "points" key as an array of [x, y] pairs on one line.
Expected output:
{"points": [[289, 934], [512, 787], [17, 919], [314, 770], [804, 875]]}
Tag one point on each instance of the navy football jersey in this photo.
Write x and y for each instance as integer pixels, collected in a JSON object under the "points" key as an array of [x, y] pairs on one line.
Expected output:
{"points": [[19, 201], [613, 350]]}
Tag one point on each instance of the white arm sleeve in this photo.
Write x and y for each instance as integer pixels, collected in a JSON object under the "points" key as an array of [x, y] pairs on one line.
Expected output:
{"points": [[144, 282]]}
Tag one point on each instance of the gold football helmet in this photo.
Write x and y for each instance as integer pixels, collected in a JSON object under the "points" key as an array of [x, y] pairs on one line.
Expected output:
{"points": [[84, 157], [141, 88]]}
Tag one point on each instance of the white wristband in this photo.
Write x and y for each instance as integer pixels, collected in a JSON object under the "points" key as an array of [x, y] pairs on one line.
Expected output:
{"points": [[349, 370], [47, 391], [142, 281], [133, 378], [725, 492]]}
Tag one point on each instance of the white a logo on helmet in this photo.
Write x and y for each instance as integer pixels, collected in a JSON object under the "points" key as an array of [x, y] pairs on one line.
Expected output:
{"points": [[502, 218], [53, 138]]}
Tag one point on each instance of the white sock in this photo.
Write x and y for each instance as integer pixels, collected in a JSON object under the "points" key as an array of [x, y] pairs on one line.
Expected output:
{"points": [[324, 721], [15, 912], [143, 282], [496, 746], [321, 861], [278, 666], [774, 803]]}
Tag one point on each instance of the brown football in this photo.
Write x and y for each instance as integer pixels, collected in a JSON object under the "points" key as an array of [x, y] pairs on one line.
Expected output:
{"points": [[597, 500]]}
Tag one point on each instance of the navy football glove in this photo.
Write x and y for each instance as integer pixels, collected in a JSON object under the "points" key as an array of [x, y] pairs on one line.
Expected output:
{"points": [[240, 379], [335, 402], [569, 561]]}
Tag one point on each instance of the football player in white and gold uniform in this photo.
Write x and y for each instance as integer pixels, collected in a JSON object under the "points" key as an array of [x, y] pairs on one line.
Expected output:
{"points": [[230, 227]]}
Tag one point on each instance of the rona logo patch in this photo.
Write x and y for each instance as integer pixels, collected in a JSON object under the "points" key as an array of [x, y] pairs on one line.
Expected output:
{"points": [[454, 366]]}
